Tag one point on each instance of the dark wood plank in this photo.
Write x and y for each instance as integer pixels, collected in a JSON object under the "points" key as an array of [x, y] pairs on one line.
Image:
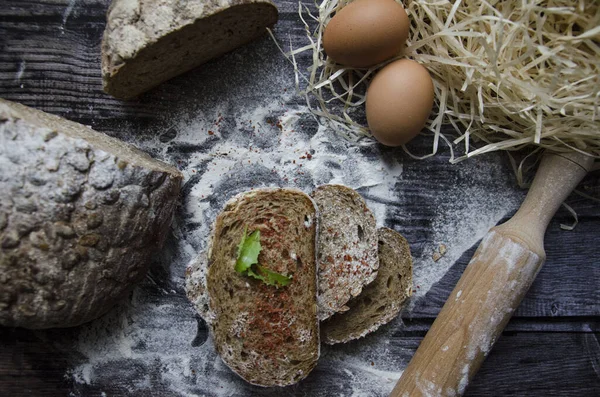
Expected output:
{"points": [[520, 364], [529, 368], [412, 326], [33, 363]]}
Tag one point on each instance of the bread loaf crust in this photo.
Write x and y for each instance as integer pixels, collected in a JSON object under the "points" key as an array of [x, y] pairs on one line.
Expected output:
{"points": [[147, 42], [267, 335], [81, 215]]}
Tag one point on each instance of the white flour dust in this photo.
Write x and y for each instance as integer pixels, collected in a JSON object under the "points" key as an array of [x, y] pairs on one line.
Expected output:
{"points": [[466, 213], [146, 345], [67, 13]]}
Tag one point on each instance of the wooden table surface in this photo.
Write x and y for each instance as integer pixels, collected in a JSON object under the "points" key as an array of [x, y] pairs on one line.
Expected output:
{"points": [[49, 59]]}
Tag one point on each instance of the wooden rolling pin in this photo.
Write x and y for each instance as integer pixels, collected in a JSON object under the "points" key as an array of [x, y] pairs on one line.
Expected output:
{"points": [[492, 286]]}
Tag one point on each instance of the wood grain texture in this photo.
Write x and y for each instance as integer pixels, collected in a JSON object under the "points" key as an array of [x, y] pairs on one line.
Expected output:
{"points": [[50, 59], [33, 363], [563, 288]]}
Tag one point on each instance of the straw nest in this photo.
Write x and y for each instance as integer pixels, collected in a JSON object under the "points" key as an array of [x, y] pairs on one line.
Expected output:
{"points": [[507, 74]]}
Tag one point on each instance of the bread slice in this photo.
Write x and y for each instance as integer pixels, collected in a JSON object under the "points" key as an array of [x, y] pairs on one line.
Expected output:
{"points": [[268, 335], [147, 42], [381, 300], [81, 216], [347, 247]]}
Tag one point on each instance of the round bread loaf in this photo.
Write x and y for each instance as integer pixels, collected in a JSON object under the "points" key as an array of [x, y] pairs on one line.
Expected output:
{"points": [[81, 215], [147, 42]]}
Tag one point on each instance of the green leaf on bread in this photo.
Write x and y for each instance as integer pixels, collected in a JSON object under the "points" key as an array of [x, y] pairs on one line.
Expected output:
{"points": [[247, 261], [248, 250]]}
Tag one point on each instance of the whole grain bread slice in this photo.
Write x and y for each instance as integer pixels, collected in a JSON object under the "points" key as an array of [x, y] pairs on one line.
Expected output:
{"points": [[380, 301], [347, 247], [147, 42], [268, 335]]}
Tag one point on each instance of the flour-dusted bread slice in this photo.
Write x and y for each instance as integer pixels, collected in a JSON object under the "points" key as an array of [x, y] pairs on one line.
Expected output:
{"points": [[380, 301], [268, 335], [81, 215], [147, 42], [347, 247]]}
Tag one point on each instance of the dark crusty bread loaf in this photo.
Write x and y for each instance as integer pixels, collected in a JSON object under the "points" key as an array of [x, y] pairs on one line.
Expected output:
{"points": [[347, 247], [381, 300], [268, 335], [81, 216], [147, 42]]}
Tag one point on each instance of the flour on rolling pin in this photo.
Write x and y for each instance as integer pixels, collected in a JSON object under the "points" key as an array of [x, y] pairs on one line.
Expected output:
{"points": [[272, 144], [507, 253]]}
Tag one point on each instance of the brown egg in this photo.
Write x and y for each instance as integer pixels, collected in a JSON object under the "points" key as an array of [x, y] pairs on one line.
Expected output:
{"points": [[399, 101], [366, 32]]}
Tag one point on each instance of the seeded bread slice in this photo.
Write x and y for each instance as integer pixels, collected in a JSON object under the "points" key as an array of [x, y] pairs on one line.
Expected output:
{"points": [[380, 301], [267, 335], [147, 42], [347, 247], [81, 216]]}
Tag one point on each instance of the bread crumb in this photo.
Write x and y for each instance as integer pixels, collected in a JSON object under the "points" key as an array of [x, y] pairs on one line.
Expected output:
{"points": [[442, 249], [439, 253]]}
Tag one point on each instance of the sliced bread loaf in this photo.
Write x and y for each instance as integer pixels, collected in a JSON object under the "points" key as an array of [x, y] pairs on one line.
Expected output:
{"points": [[147, 42], [81, 216], [381, 300], [268, 335], [347, 247]]}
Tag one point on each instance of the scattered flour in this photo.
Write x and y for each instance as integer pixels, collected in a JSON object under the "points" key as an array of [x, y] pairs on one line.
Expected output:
{"points": [[21, 70], [466, 214], [67, 12], [152, 343], [148, 342]]}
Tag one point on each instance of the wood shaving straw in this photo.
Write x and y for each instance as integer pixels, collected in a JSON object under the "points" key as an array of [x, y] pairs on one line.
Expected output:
{"points": [[507, 74]]}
